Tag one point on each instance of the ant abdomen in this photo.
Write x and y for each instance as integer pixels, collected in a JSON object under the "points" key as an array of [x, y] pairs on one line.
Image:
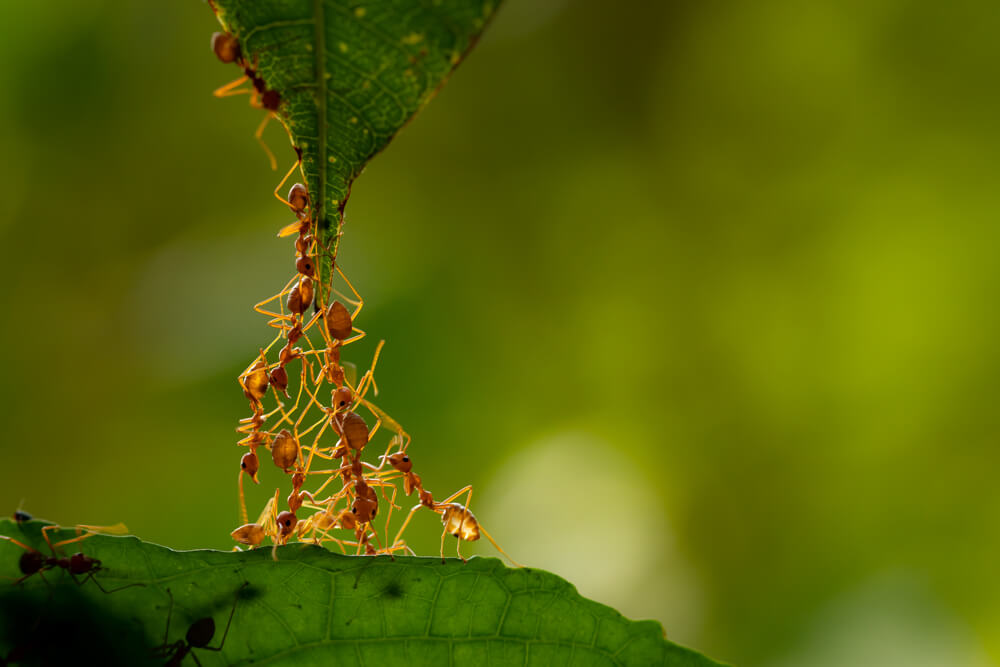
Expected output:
{"points": [[460, 522], [298, 198], [251, 534], [226, 47], [284, 450], [201, 632], [338, 321]]}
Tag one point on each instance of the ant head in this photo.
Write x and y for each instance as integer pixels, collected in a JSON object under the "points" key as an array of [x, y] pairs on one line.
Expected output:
{"points": [[304, 266], [342, 398], [20, 516], [201, 632], [226, 47], [31, 562], [298, 197], [286, 523], [400, 462], [250, 465], [338, 321], [80, 564]]}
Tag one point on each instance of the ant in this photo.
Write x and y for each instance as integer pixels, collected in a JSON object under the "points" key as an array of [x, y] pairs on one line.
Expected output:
{"points": [[198, 635], [227, 49], [34, 562], [457, 518]]}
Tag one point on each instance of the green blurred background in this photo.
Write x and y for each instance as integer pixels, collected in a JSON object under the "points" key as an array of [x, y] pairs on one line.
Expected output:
{"points": [[701, 298]]}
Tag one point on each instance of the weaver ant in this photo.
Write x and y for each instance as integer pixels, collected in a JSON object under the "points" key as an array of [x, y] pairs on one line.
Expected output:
{"points": [[457, 520], [227, 49], [198, 635], [34, 562]]}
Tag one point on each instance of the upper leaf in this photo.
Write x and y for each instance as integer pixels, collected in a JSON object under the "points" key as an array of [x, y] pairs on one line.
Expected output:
{"points": [[314, 607], [350, 74]]}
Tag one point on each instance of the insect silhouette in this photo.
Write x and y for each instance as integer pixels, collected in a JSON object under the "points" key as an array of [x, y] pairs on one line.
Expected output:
{"points": [[198, 635]]}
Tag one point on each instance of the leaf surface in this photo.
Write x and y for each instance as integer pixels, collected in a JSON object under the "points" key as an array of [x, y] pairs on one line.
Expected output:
{"points": [[314, 607], [350, 74]]}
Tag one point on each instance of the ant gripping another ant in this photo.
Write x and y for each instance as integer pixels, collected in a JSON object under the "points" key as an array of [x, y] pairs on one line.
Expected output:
{"points": [[33, 562], [198, 635]]}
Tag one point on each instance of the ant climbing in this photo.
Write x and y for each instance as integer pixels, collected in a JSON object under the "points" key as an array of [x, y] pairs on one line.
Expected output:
{"points": [[227, 49], [198, 635], [34, 562]]}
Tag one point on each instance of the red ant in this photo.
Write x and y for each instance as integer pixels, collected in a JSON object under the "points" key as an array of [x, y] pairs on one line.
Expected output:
{"points": [[227, 49], [34, 562], [457, 518], [198, 635]]}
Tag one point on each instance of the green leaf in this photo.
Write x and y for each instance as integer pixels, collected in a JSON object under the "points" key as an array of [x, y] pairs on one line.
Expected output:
{"points": [[350, 74], [311, 607]]}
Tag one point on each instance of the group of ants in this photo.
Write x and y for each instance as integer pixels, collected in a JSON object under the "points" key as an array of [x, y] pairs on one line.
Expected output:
{"points": [[309, 303], [281, 430]]}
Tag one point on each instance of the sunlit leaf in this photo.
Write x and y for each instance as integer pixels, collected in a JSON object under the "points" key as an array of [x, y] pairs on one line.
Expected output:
{"points": [[350, 74], [313, 607]]}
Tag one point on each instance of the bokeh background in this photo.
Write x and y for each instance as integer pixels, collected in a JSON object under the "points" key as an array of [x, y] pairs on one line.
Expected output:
{"points": [[701, 297]]}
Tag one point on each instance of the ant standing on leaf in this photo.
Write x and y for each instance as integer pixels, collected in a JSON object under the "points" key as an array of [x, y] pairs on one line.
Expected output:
{"points": [[34, 562], [198, 635]]}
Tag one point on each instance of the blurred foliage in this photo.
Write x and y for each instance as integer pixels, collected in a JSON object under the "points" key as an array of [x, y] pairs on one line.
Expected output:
{"points": [[729, 265]]}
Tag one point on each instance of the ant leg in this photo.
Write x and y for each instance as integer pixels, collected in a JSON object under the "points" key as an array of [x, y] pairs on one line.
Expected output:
{"points": [[360, 301], [90, 576], [170, 611], [456, 495], [78, 538], [243, 501], [259, 134], [228, 90], [498, 547], [53, 547], [402, 528], [282, 184], [229, 622], [20, 544]]}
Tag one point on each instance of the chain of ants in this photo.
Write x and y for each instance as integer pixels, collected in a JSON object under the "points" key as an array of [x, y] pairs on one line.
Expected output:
{"points": [[355, 505], [294, 439]]}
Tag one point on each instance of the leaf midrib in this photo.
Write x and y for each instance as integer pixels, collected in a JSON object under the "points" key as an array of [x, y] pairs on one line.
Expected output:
{"points": [[320, 53]]}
